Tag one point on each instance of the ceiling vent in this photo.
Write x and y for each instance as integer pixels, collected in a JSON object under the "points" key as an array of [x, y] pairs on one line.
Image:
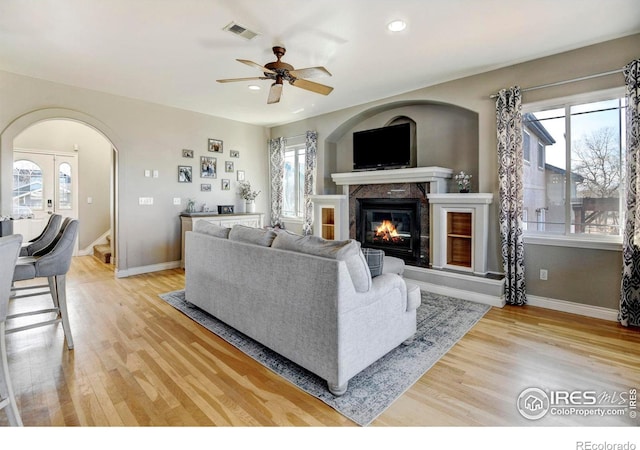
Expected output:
{"points": [[241, 31]]}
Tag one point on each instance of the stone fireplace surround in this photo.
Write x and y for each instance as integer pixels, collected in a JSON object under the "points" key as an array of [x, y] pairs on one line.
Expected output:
{"points": [[393, 191]]}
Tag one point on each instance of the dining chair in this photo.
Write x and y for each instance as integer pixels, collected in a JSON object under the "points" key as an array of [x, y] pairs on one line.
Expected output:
{"points": [[52, 263], [9, 250]]}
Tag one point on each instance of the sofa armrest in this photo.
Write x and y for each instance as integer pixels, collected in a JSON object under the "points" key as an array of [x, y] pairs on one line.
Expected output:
{"points": [[386, 287]]}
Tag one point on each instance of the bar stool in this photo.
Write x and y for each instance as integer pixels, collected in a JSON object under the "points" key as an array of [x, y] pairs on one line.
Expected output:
{"points": [[9, 250], [52, 263], [45, 238]]}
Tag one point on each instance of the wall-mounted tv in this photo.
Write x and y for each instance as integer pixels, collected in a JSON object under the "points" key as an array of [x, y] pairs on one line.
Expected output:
{"points": [[382, 148]]}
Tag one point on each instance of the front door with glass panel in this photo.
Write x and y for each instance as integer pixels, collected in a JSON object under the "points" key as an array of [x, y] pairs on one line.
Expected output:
{"points": [[43, 184]]}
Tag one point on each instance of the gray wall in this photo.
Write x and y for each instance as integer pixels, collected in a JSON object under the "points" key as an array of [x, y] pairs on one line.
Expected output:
{"points": [[146, 136], [472, 94]]}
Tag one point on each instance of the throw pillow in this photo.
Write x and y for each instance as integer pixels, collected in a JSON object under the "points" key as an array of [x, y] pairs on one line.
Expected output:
{"points": [[347, 251], [251, 235], [202, 226], [375, 260]]}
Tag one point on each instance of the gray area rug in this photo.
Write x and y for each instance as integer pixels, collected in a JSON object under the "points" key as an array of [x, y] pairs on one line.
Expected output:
{"points": [[442, 321]]}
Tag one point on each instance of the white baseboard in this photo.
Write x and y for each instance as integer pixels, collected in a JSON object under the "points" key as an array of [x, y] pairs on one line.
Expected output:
{"points": [[597, 312], [123, 273], [460, 293]]}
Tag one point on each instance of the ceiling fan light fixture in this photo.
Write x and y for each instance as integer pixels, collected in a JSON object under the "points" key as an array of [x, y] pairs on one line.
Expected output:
{"points": [[397, 25]]}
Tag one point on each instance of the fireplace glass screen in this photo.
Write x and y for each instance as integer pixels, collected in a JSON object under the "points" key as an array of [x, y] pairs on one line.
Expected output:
{"points": [[388, 229], [392, 225]]}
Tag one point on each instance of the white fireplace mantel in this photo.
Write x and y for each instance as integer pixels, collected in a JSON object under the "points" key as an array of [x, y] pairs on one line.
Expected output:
{"points": [[435, 176]]}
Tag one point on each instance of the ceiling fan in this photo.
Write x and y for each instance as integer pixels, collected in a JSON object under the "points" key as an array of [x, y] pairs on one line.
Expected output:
{"points": [[280, 71]]}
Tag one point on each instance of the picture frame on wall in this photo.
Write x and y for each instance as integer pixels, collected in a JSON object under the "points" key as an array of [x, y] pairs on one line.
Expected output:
{"points": [[234, 153], [226, 185], [208, 167], [205, 187], [187, 153], [185, 174], [228, 166], [215, 145], [240, 175]]}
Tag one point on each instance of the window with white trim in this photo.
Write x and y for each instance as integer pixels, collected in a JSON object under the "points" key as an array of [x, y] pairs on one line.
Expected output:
{"points": [[526, 146], [587, 136], [293, 183]]}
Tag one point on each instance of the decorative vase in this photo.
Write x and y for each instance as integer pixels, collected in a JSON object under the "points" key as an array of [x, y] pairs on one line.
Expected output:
{"points": [[250, 206]]}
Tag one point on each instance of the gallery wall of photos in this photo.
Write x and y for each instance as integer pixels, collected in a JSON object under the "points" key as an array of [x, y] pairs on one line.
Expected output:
{"points": [[213, 170]]}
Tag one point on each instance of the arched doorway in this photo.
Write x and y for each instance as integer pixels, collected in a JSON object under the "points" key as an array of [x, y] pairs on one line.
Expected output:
{"points": [[61, 135]]}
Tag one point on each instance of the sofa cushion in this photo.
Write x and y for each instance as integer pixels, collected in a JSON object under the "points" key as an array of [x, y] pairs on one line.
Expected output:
{"points": [[202, 226], [251, 235], [347, 251], [375, 260]]}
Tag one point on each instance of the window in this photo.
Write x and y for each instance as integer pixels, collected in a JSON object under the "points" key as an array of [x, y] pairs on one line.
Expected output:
{"points": [[579, 190], [64, 186], [540, 156], [27, 186], [293, 186], [526, 146]]}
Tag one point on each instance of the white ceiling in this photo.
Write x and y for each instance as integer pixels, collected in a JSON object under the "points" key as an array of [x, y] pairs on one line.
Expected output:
{"points": [[171, 51]]}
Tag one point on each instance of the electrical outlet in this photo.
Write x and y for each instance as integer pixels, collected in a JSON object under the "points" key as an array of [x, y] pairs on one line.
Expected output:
{"points": [[176, 200], [543, 274]]}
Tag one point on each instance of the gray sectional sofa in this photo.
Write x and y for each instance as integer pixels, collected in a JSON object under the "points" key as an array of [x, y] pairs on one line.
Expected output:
{"points": [[310, 300]]}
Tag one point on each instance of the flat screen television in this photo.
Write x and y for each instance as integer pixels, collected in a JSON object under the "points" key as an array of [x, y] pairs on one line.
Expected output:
{"points": [[382, 148]]}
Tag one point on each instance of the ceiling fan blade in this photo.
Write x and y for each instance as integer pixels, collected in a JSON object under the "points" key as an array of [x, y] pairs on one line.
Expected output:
{"points": [[253, 64], [231, 80], [311, 86], [275, 93], [310, 72]]}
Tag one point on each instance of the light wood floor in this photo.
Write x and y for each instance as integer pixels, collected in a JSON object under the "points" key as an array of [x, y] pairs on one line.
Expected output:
{"points": [[139, 362]]}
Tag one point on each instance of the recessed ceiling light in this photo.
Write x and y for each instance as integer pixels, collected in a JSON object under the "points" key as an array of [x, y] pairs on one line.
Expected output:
{"points": [[254, 87], [397, 25]]}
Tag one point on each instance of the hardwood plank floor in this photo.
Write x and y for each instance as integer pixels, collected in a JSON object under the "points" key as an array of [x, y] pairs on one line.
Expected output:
{"points": [[139, 362]]}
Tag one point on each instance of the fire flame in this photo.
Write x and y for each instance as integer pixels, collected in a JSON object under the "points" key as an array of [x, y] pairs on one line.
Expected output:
{"points": [[387, 232]]}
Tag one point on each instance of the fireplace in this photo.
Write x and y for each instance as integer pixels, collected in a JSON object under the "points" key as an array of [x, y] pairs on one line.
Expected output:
{"points": [[390, 224]]}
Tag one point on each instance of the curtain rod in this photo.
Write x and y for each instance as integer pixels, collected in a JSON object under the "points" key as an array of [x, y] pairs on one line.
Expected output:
{"points": [[559, 83], [296, 136]]}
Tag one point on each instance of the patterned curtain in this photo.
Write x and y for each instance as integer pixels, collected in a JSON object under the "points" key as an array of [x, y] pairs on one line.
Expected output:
{"points": [[311, 150], [510, 161], [629, 314], [276, 164]]}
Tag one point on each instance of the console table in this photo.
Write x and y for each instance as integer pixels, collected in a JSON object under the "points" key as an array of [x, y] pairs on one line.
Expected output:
{"points": [[189, 220]]}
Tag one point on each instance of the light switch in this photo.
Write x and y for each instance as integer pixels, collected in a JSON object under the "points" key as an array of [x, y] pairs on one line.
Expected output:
{"points": [[89, 200], [155, 174], [176, 201], [147, 173], [145, 201]]}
